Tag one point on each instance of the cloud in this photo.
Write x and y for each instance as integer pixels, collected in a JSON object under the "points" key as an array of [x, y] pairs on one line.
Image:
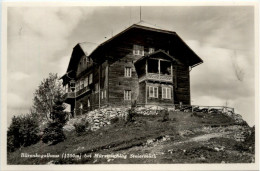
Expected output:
{"points": [[16, 101], [215, 81], [37, 39], [16, 76]]}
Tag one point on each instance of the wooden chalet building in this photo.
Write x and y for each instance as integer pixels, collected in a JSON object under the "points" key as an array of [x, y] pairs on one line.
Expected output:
{"points": [[142, 63]]}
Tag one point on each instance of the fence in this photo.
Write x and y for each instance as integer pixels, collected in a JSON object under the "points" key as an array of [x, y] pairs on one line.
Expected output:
{"points": [[190, 108]]}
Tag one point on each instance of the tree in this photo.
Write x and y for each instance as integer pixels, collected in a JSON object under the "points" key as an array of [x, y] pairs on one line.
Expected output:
{"points": [[23, 131], [45, 96], [54, 131]]}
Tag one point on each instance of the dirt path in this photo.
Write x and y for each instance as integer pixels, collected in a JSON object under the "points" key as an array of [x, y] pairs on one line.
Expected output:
{"points": [[157, 148], [207, 136]]}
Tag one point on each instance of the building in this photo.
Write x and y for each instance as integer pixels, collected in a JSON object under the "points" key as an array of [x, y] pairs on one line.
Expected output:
{"points": [[142, 64]]}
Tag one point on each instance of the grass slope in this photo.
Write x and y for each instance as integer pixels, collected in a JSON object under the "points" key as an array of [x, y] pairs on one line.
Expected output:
{"points": [[183, 145]]}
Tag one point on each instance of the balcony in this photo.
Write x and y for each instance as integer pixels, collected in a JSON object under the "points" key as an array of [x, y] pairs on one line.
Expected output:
{"points": [[68, 96], [82, 91], [156, 77]]}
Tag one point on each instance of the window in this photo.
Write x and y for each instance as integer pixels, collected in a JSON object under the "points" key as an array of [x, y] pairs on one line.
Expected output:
{"points": [[90, 79], [72, 84], [166, 93], [96, 87], [88, 103], [127, 95], [86, 82], [138, 50], [151, 50], [128, 72], [153, 91], [81, 84], [77, 86], [105, 94], [66, 88]]}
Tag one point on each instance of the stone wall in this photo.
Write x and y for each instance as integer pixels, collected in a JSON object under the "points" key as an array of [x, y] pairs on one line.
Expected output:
{"points": [[102, 117], [98, 118]]}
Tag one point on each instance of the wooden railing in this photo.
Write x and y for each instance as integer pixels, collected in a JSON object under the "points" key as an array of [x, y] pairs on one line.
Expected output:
{"points": [[191, 108], [82, 91], [156, 77], [69, 95], [78, 93]]}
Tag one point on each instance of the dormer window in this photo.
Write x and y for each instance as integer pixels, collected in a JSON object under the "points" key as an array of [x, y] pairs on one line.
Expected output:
{"points": [[138, 50]]}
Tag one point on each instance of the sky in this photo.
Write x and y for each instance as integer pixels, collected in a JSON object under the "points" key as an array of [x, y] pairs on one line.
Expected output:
{"points": [[40, 40]]}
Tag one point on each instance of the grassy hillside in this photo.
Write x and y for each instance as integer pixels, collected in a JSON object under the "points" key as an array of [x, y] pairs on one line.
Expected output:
{"points": [[184, 138]]}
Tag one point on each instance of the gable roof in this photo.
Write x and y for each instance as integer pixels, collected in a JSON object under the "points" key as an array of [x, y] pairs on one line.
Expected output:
{"points": [[89, 49]]}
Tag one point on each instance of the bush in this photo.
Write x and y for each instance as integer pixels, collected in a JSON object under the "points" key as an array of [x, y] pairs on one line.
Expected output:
{"points": [[165, 114], [130, 116], [23, 131], [81, 127], [114, 120], [54, 131]]}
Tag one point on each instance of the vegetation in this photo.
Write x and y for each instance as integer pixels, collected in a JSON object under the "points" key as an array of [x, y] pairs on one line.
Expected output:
{"points": [[45, 96], [165, 115], [81, 127], [114, 120], [23, 131], [191, 139], [54, 131]]}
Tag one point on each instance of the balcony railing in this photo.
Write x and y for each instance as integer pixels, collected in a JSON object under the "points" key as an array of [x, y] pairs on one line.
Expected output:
{"points": [[69, 95], [156, 77], [82, 91]]}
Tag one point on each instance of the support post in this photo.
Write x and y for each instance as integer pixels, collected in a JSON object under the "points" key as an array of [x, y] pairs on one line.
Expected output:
{"points": [[146, 67], [159, 68], [145, 92], [171, 72], [99, 88]]}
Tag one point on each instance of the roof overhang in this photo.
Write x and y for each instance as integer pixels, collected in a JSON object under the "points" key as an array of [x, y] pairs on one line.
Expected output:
{"points": [[194, 59], [158, 52]]}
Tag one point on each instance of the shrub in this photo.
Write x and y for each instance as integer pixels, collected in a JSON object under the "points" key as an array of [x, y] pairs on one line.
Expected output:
{"points": [[81, 127], [114, 120], [130, 115], [54, 131], [23, 131], [165, 114]]}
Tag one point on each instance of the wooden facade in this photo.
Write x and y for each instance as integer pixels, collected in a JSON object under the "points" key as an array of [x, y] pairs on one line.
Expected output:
{"points": [[143, 64]]}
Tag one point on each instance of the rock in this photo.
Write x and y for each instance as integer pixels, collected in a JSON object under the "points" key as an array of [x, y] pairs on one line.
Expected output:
{"points": [[68, 128]]}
